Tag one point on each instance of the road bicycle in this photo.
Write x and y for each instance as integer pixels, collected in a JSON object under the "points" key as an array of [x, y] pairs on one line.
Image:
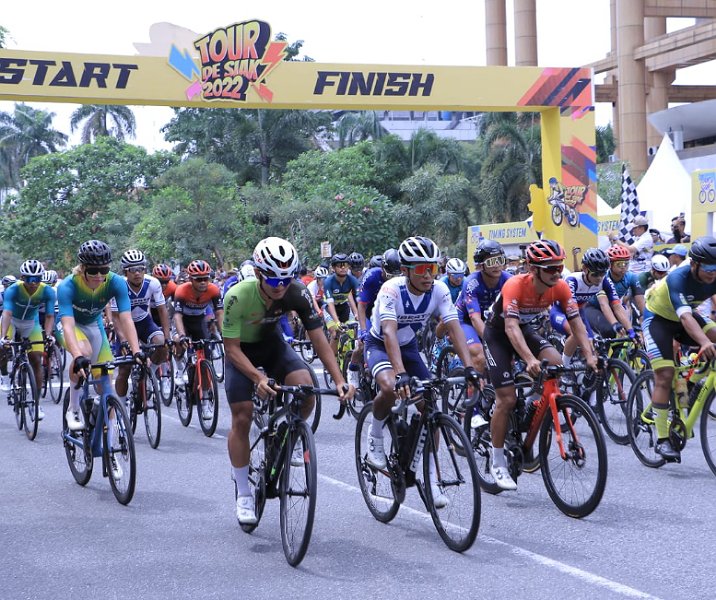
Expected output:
{"points": [[166, 371], [301, 343], [144, 398], [201, 388], [363, 393], [53, 371], [277, 429], [346, 345], [571, 453], [215, 353], [110, 438], [23, 395], [449, 487], [696, 405]]}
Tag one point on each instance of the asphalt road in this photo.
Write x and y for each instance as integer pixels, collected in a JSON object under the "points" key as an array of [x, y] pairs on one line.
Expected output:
{"points": [[651, 537]]}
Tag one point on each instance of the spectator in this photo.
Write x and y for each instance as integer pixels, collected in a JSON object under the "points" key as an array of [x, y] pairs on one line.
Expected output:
{"points": [[677, 256], [642, 248], [678, 224], [659, 269], [656, 236]]}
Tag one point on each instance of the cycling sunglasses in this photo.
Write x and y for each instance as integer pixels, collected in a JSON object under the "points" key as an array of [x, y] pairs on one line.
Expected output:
{"points": [[494, 261], [275, 282], [620, 264], [200, 278], [597, 274], [136, 269], [343, 265], [551, 269], [96, 270], [423, 268], [707, 268], [32, 278]]}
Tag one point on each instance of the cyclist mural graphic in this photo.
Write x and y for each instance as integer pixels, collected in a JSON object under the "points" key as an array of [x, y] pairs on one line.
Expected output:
{"points": [[564, 201]]}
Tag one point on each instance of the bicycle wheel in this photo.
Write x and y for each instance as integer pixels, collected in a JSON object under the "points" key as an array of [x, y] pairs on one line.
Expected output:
{"points": [[640, 421], [56, 376], [257, 469], [118, 445], [307, 352], [315, 417], [152, 409], [45, 375], [297, 494], [576, 482], [207, 398], [612, 395], [29, 400], [215, 353], [708, 431], [184, 404], [78, 448], [453, 399], [639, 362], [451, 476], [447, 360], [166, 381], [376, 485]]}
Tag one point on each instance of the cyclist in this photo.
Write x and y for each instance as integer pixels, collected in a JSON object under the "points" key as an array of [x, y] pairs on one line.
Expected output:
{"points": [[659, 268], [316, 288], [670, 316], [253, 339], [357, 263], [454, 277], [21, 306], [403, 306], [82, 297], [341, 288], [145, 292], [523, 299], [165, 276], [373, 280]]}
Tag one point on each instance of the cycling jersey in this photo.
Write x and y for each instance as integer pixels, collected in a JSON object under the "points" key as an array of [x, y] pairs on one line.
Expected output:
{"points": [[249, 319], [678, 293], [190, 303], [583, 292], [77, 300], [25, 307], [228, 284], [476, 297], [627, 286], [337, 292], [149, 295], [169, 290], [396, 303], [372, 281], [454, 289], [316, 292]]}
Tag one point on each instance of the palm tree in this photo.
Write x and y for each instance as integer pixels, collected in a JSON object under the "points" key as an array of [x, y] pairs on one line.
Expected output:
{"points": [[354, 127], [96, 119], [23, 135]]}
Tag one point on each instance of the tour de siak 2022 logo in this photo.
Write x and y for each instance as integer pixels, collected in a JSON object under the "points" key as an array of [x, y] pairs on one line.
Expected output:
{"points": [[231, 60]]}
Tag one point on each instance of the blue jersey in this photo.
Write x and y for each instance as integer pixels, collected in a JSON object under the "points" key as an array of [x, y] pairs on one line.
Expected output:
{"points": [[476, 297], [77, 300], [454, 289], [369, 288], [584, 292], [337, 292], [228, 284], [676, 294], [628, 286], [25, 307]]}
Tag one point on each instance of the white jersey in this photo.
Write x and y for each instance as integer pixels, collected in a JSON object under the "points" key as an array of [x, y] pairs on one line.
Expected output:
{"points": [[641, 261], [396, 303], [149, 295]]}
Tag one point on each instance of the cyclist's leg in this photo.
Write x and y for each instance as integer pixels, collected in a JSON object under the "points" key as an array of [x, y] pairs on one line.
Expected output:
{"points": [[384, 376], [287, 367], [75, 420]]}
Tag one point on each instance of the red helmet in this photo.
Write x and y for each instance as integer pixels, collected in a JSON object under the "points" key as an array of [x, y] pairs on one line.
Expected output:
{"points": [[617, 252], [198, 268], [162, 272], [544, 251]]}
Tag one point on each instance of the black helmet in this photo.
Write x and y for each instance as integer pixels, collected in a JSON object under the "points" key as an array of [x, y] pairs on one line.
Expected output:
{"points": [[596, 260], [391, 261], [339, 258], [703, 250], [375, 261], [356, 260], [487, 249], [94, 252]]}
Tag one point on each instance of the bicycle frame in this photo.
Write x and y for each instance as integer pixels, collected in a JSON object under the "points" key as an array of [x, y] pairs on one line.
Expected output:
{"points": [[95, 435]]}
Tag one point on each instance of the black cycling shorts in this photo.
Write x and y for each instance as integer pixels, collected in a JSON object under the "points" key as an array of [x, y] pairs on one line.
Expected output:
{"points": [[196, 328], [659, 336]]}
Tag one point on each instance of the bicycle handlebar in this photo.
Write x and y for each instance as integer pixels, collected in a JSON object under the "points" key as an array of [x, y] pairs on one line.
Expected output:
{"points": [[418, 386], [302, 390]]}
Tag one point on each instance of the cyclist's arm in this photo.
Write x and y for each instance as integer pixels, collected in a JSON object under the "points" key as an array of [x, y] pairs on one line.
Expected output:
{"points": [[6, 320], [179, 324], [219, 314], [457, 338], [640, 303], [693, 329], [49, 323], [478, 323], [621, 315], [361, 315], [236, 355], [352, 303], [331, 307], [164, 320], [607, 311], [392, 347], [126, 330], [70, 337], [580, 332], [517, 339]]}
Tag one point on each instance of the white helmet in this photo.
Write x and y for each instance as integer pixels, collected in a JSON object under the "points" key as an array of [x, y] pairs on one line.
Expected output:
{"points": [[660, 263], [276, 257], [8, 280], [455, 267], [418, 249], [133, 258], [49, 276], [246, 272], [31, 268], [321, 272]]}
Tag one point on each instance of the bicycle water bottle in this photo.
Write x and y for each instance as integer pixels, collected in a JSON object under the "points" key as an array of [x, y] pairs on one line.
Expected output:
{"points": [[94, 411], [682, 396], [531, 405]]}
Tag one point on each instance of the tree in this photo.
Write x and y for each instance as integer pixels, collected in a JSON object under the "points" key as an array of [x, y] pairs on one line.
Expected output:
{"points": [[606, 144], [96, 119], [4, 35], [357, 126], [23, 135]]}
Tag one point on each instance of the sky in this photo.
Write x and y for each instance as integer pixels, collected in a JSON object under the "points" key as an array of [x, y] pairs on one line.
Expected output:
{"points": [[421, 32]]}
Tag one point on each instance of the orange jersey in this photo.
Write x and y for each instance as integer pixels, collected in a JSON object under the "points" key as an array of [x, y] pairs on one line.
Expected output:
{"points": [[190, 303], [169, 289]]}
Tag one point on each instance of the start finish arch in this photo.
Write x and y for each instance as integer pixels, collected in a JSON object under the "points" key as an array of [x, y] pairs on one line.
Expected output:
{"points": [[239, 66]]}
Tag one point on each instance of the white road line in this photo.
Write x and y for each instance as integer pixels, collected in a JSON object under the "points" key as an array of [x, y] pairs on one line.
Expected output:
{"points": [[586, 576], [193, 426]]}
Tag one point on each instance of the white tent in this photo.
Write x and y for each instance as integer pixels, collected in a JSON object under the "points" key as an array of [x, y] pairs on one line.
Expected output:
{"points": [[604, 209], [665, 189]]}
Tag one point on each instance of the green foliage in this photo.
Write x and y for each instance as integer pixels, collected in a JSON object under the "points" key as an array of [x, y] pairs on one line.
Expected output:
{"points": [[97, 118], [4, 36], [606, 144]]}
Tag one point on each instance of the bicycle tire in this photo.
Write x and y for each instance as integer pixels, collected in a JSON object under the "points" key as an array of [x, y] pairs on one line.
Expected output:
{"points": [[707, 429], [445, 359], [257, 469], [17, 399], [217, 357], [376, 485], [583, 450], [166, 370], [79, 459], [207, 398], [453, 398], [56, 373], [307, 352], [315, 417], [122, 450], [456, 472], [298, 482], [612, 396], [480, 440], [152, 410], [184, 404], [45, 366], [642, 434], [30, 401], [639, 362]]}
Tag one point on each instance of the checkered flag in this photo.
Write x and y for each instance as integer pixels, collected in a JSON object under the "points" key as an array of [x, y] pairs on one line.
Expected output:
{"points": [[630, 207]]}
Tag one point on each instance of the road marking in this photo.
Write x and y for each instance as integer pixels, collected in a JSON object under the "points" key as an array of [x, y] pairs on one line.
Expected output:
{"points": [[192, 426], [586, 576]]}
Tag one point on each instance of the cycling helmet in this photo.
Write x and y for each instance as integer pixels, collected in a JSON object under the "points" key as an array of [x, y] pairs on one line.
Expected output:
{"points": [[133, 258], [487, 249], [418, 249], [391, 261], [49, 277], [596, 260], [276, 257], [660, 263], [455, 267], [246, 272], [162, 272], [356, 260], [8, 280], [544, 251], [703, 250], [321, 272], [31, 268], [375, 261], [617, 252], [94, 252], [198, 268], [339, 258]]}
